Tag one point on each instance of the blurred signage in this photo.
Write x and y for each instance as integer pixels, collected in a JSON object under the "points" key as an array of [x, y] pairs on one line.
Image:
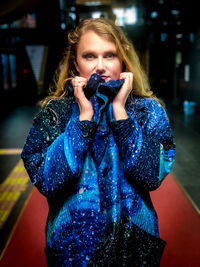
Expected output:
{"points": [[93, 2]]}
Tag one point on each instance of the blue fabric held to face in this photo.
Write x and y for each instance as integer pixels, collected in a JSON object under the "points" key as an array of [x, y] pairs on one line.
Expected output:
{"points": [[104, 90]]}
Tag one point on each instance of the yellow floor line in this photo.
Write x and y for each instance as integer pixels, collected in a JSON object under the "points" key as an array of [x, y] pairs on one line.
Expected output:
{"points": [[11, 189], [14, 227], [10, 151]]}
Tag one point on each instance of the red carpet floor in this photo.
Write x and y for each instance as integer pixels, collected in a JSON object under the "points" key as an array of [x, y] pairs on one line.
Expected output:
{"points": [[179, 226]]}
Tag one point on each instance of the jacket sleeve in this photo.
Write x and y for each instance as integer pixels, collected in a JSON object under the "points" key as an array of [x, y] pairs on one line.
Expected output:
{"points": [[52, 158], [147, 148]]}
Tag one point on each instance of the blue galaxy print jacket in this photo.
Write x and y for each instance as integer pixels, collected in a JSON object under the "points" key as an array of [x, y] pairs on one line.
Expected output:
{"points": [[96, 176]]}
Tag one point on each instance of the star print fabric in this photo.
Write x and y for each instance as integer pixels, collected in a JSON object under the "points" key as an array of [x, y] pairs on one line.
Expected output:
{"points": [[96, 176]]}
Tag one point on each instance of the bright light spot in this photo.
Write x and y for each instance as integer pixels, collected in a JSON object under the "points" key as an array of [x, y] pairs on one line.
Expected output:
{"points": [[63, 26], [131, 15], [72, 15], [179, 35], [94, 3], [4, 26], [119, 12], [164, 36], [154, 14], [175, 12], [96, 15], [125, 16]]}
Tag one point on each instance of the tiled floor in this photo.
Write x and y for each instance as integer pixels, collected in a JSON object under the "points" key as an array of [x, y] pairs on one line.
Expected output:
{"points": [[15, 125]]}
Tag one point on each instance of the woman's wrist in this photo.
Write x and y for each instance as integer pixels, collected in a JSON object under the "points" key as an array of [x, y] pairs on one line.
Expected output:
{"points": [[119, 112], [86, 116]]}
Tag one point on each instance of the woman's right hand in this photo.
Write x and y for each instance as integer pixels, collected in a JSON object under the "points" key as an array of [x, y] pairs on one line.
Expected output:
{"points": [[85, 106]]}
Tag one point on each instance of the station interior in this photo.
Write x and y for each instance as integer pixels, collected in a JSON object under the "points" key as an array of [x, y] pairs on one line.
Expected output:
{"points": [[33, 36]]}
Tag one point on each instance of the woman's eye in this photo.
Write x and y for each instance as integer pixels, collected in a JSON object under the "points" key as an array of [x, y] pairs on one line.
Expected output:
{"points": [[110, 55], [89, 56]]}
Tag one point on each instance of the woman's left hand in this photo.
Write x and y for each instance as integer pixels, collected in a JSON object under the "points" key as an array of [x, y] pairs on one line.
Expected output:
{"points": [[120, 100]]}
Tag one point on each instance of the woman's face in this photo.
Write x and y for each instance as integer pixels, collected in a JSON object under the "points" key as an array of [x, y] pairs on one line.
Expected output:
{"points": [[97, 55]]}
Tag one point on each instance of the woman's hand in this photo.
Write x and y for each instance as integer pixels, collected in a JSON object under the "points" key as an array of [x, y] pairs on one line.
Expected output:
{"points": [[85, 106], [120, 99]]}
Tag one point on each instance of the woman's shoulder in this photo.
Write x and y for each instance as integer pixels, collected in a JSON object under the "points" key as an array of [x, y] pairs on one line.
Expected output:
{"points": [[55, 111], [143, 103], [144, 108], [59, 104]]}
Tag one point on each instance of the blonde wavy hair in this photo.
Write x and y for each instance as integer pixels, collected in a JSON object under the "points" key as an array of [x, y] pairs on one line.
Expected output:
{"points": [[108, 30]]}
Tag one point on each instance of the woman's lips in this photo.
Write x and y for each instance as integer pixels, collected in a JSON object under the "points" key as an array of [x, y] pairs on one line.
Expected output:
{"points": [[106, 78]]}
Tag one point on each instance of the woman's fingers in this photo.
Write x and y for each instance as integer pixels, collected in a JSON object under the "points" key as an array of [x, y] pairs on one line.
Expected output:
{"points": [[78, 84], [128, 77], [85, 106], [125, 90]]}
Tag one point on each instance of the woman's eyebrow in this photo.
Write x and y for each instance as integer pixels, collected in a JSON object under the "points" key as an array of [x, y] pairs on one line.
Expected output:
{"points": [[91, 51], [86, 52], [113, 51]]}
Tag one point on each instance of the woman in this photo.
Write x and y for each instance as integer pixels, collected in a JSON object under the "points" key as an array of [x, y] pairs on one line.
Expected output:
{"points": [[96, 149]]}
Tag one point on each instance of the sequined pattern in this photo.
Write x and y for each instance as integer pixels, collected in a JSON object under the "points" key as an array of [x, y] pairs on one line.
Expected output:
{"points": [[97, 177]]}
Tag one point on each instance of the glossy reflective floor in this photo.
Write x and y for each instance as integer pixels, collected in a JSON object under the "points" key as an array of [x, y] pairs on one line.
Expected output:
{"points": [[187, 165]]}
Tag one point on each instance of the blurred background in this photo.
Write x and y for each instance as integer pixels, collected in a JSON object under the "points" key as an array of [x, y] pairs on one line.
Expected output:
{"points": [[166, 35]]}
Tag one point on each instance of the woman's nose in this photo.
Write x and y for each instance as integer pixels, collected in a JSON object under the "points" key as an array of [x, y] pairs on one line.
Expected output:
{"points": [[100, 67]]}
